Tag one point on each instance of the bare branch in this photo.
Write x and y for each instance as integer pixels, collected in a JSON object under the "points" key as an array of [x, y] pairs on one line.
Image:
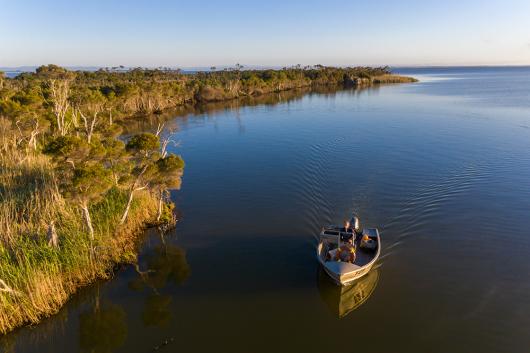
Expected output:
{"points": [[159, 129], [6, 289]]}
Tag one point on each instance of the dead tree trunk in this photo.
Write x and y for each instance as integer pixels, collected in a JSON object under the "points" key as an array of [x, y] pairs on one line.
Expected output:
{"points": [[134, 188], [59, 94], [88, 221], [32, 142], [53, 240], [127, 207], [89, 126], [160, 204], [129, 202], [159, 129]]}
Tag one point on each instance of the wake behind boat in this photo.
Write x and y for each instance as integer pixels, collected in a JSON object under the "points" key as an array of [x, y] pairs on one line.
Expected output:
{"points": [[348, 253]]}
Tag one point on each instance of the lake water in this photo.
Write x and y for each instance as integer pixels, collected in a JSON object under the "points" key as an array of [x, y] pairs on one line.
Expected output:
{"points": [[442, 167]]}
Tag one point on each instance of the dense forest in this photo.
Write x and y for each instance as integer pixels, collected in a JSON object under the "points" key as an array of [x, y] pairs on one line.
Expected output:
{"points": [[75, 192]]}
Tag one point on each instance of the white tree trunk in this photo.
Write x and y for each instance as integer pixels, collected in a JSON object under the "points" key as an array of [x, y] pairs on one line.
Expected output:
{"points": [[89, 126], [159, 129], [131, 194], [32, 142], [88, 221], [53, 240], [160, 204], [127, 208], [59, 93]]}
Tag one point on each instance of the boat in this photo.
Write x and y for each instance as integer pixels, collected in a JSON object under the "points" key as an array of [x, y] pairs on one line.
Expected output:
{"points": [[342, 300], [348, 252]]}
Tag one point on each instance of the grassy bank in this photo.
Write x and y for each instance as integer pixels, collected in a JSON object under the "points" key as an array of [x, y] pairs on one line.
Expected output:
{"points": [[38, 279]]}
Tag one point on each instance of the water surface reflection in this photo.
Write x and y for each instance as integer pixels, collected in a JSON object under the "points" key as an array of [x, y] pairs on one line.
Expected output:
{"points": [[342, 300]]}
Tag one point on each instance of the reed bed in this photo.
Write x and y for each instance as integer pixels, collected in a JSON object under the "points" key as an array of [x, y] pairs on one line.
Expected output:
{"points": [[37, 279]]}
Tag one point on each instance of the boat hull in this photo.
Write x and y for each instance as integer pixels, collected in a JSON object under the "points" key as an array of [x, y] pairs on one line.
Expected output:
{"points": [[348, 278]]}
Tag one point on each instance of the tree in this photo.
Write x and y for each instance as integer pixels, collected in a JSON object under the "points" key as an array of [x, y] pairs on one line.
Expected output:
{"points": [[166, 175], [115, 159], [68, 149], [51, 71], [88, 103], [58, 91], [81, 177], [143, 149], [88, 184], [25, 108]]}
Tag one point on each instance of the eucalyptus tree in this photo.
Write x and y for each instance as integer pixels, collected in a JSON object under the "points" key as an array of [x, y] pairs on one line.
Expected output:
{"points": [[88, 104], [89, 183], [116, 160], [56, 87], [82, 178], [24, 107], [71, 150], [166, 175], [143, 153]]}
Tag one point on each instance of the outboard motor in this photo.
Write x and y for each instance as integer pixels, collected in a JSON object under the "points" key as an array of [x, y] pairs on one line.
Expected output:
{"points": [[356, 223]]}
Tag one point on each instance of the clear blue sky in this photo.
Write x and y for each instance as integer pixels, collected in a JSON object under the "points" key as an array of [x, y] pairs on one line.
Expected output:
{"points": [[268, 32]]}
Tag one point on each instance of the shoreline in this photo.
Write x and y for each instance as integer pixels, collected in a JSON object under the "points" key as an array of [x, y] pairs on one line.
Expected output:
{"points": [[43, 279]]}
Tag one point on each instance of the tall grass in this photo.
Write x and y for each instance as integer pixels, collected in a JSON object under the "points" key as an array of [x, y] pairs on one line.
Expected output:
{"points": [[38, 278]]}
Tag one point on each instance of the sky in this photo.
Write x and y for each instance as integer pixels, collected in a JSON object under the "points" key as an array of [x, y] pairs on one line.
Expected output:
{"points": [[204, 33]]}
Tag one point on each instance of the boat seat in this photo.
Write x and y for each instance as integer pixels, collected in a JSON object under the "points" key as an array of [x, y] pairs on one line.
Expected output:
{"points": [[371, 232], [341, 268]]}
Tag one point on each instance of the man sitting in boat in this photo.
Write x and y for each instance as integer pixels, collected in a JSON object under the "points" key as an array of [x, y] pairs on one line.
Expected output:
{"points": [[367, 242], [346, 252], [349, 230]]}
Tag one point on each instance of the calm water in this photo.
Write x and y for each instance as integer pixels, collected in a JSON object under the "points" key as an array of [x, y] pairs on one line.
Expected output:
{"points": [[442, 167]]}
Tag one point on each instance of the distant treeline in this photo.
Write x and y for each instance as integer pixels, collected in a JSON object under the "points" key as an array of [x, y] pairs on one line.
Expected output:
{"points": [[144, 91]]}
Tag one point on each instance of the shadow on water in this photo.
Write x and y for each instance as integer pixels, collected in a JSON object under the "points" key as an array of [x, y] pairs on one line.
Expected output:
{"points": [[102, 322], [180, 116], [103, 327], [165, 264]]}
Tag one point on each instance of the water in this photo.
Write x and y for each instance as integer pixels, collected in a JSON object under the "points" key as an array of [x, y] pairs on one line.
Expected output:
{"points": [[442, 167]]}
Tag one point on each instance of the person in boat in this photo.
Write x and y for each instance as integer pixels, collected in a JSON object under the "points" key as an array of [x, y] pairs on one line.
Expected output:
{"points": [[347, 226], [346, 252], [367, 242]]}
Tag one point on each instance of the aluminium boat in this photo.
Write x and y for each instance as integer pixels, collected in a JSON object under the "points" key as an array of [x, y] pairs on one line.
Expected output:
{"points": [[348, 252]]}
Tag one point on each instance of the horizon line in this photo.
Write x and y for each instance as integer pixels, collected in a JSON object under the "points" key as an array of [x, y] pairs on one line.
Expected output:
{"points": [[29, 68]]}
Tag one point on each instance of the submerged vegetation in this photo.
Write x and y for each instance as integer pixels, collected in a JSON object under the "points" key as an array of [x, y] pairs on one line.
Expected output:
{"points": [[74, 194]]}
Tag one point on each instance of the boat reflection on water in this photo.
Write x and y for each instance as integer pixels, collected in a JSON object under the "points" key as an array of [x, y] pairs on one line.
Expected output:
{"points": [[342, 300]]}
